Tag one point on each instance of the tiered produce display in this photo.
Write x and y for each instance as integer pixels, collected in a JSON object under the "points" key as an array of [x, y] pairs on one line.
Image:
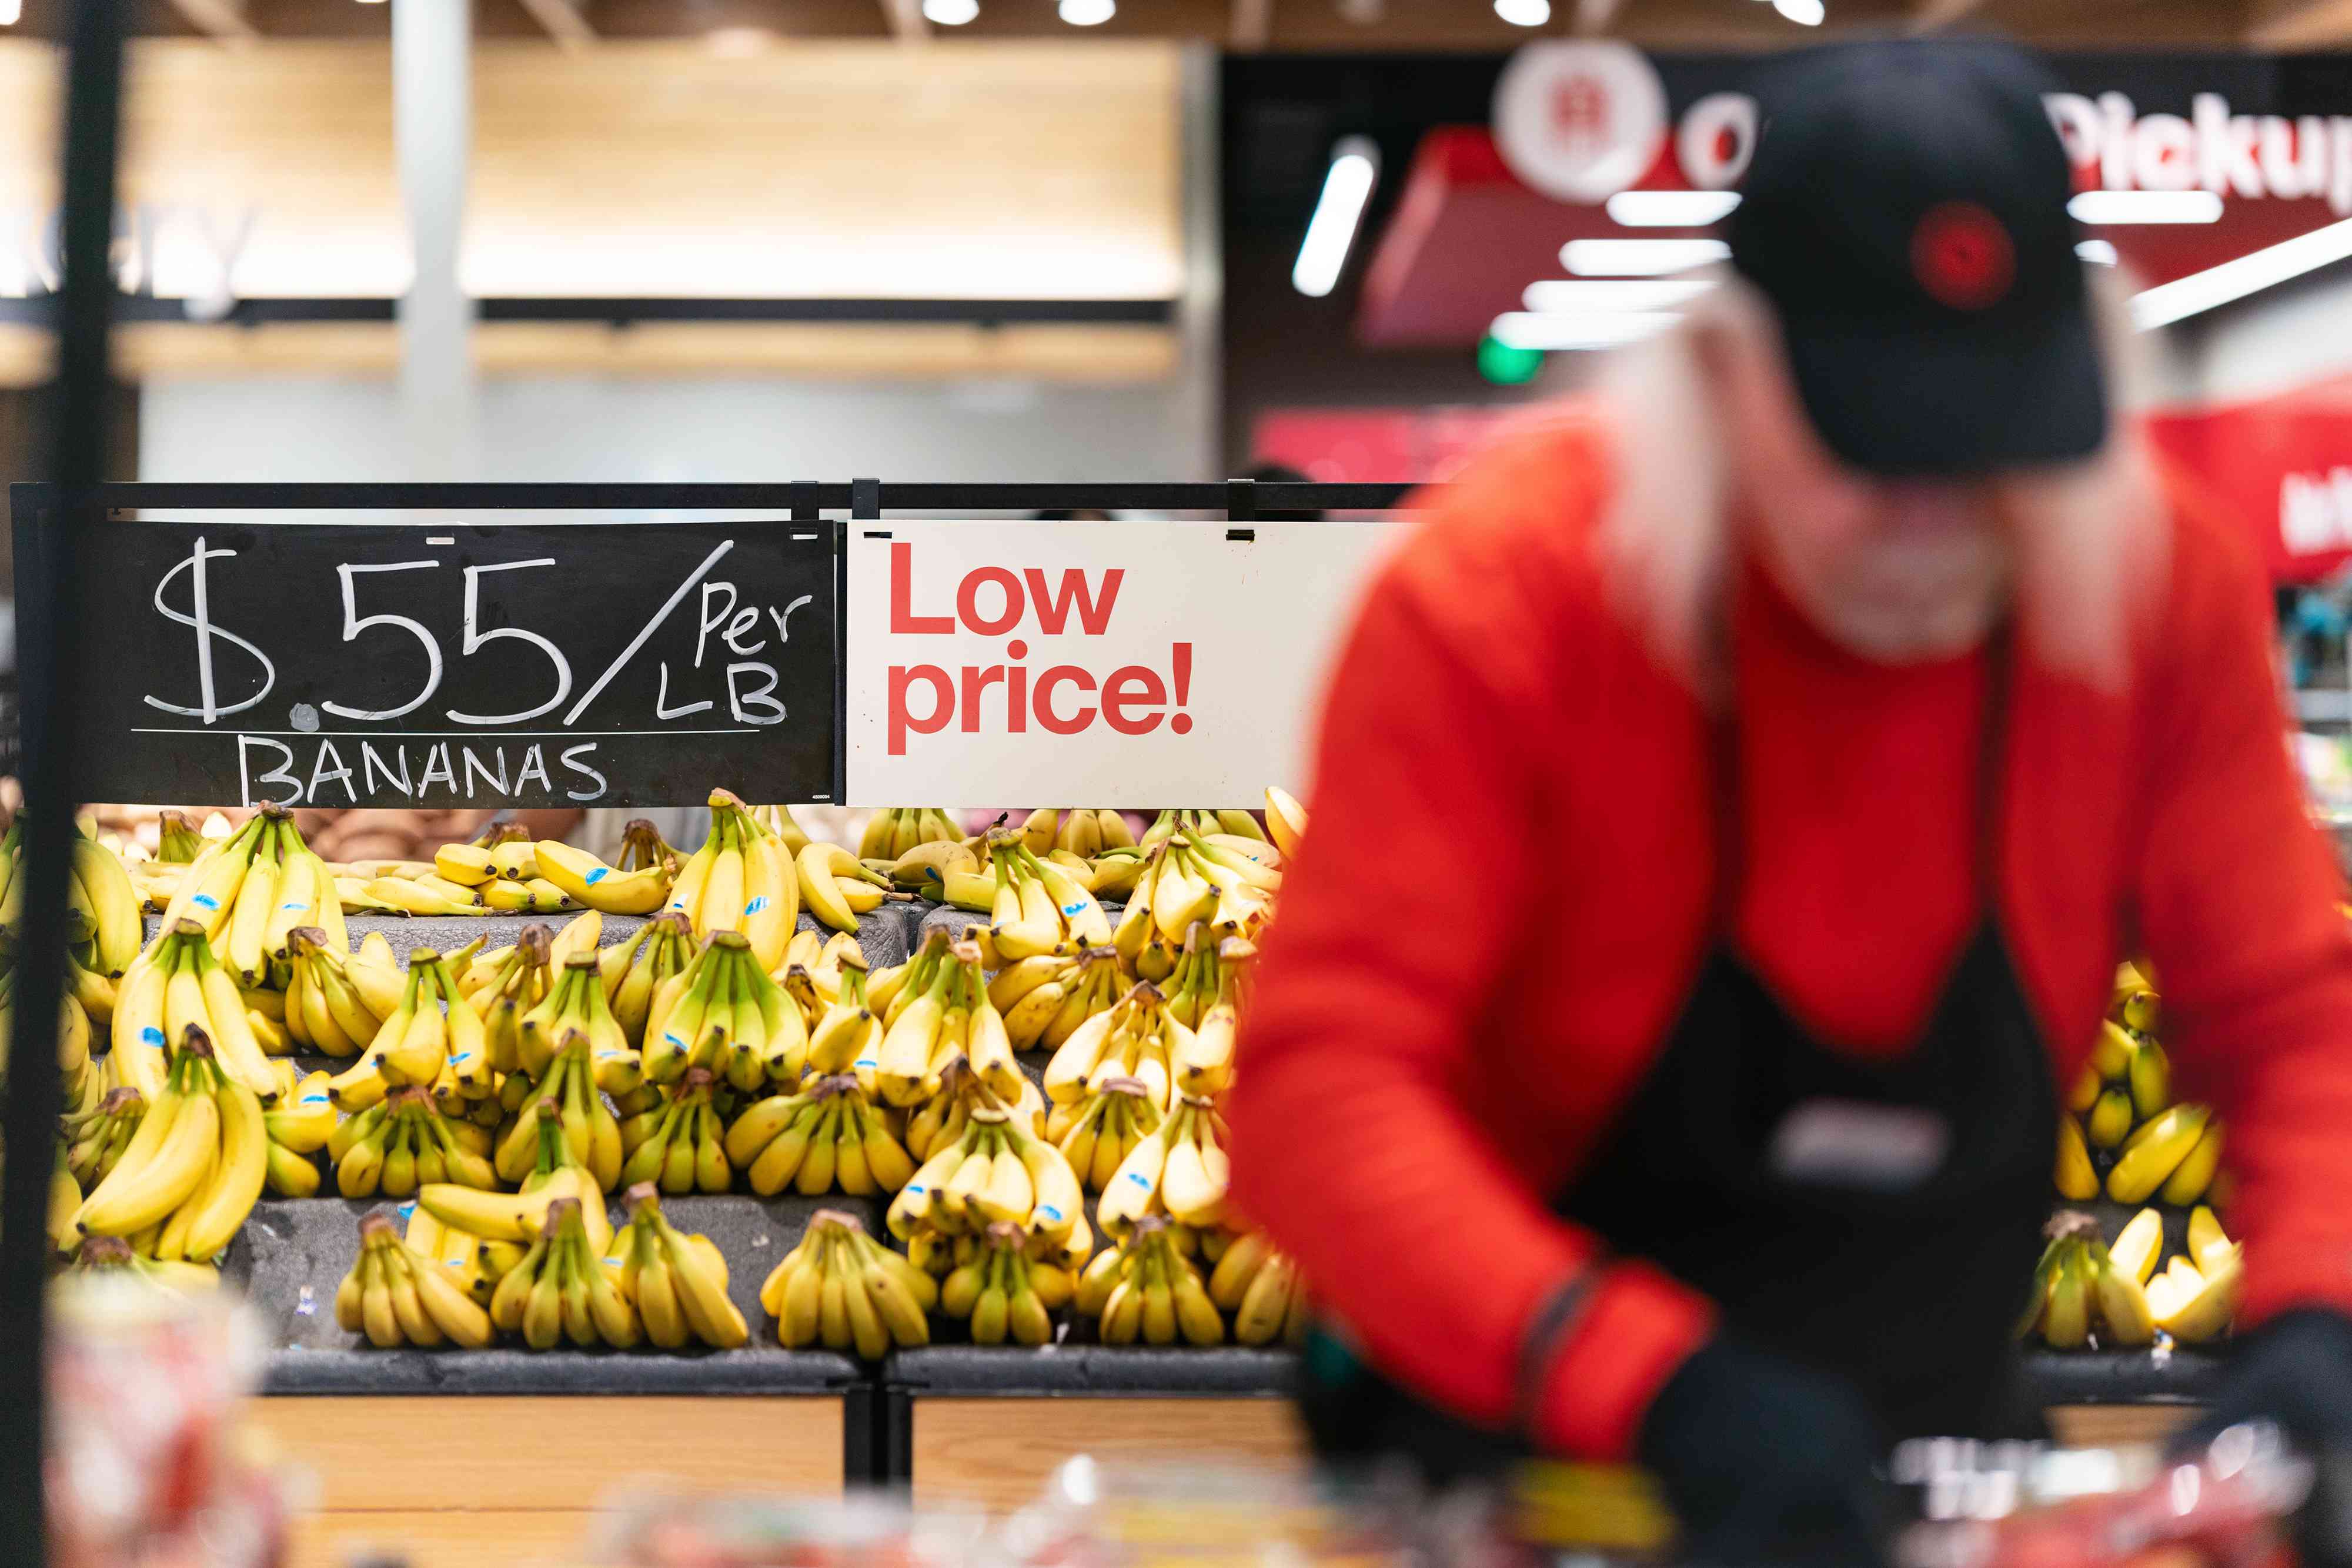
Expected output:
{"points": [[1029, 1103], [2131, 1154]]}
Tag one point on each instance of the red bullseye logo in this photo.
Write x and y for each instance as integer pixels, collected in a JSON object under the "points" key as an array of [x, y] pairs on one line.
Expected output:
{"points": [[1962, 257]]}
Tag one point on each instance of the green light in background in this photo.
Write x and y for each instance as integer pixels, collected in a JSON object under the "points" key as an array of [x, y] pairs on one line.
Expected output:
{"points": [[1505, 366]]}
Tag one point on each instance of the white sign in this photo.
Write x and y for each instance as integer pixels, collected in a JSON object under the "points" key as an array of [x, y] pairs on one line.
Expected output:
{"points": [[1122, 664], [2210, 150], [1579, 121], [2315, 512]]}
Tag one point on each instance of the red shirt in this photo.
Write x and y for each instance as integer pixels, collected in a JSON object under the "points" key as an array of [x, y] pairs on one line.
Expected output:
{"points": [[1504, 898]]}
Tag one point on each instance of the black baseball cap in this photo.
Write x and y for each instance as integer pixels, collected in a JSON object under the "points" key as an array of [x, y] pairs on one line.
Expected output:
{"points": [[1906, 214]]}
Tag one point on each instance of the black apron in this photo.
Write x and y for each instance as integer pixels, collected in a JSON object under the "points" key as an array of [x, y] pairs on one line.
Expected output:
{"points": [[1879, 1219]]}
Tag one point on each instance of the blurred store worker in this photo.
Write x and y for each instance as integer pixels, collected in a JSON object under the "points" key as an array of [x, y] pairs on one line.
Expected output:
{"points": [[1856, 697]]}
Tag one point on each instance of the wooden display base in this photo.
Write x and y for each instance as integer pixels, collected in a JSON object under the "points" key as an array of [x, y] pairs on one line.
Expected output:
{"points": [[444, 1480], [2117, 1425], [998, 1451]]}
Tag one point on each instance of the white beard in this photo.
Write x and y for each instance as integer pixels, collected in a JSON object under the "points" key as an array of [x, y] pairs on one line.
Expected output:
{"points": [[1906, 597]]}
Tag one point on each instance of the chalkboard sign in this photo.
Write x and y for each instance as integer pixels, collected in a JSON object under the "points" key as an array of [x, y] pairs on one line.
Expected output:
{"points": [[446, 665]]}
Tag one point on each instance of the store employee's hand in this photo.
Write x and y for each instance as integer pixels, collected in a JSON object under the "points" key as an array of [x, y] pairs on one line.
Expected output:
{"points": [[1768, 1461], [2297, 1371]]}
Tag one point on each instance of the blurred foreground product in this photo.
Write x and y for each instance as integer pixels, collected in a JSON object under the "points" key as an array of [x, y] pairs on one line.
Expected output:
{"points": [[147, 1462], [871, 1532]]}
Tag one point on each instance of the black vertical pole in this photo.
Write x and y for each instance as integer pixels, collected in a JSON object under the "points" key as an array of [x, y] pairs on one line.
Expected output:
{"points": [[49, 653]]}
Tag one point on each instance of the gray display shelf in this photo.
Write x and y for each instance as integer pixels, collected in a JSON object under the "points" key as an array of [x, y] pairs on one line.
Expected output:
{"points": [[293, 1253], [886, 935]]}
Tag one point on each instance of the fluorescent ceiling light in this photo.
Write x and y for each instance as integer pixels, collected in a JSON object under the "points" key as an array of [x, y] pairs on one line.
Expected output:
{"points": [[1671, 209], [1592, 329], [1639, 257], [2146, 208], [1804, 13], [1088, 13], [950, 13], [11, 12], [1524, 13], [1347, 186], [2248, 274], [2098, 252], [1558, 295]]}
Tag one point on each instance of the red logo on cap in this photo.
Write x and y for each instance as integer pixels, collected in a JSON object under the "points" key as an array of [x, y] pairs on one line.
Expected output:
{"points": [[1962, 257]]}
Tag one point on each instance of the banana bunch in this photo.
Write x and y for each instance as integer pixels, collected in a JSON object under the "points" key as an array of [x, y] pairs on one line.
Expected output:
{"points": [[565, 1094], [194, 1166], [112, 925], [575, 1005], [2122, 1117], [1205, 996], [824, 957], [826, 1134], [926, 1018], [1039, 906], [679, 1146], [1229, 824], [940, 1119], [891, 834], [1285, 819], [953, 1017], [995, 1286], [636, 970], [336, 1003], [250, 890], [1179, 1167], [2197, 1301], [502, 876], [1227, 879], [176, 841], [503, 1223], [844, 1034], [561, 1287], [1086, 834], [430, 1033], [581, 934], [1261, 1287], [173, 986], [111, 1254], [742, 880], [396, 1296], [1097, 1131], [74, 1069], [963, 875], [457, 1253], [1136, 1039], [1044, 999], [997, 1169], [587, 881], [403, 1141], [509, 992], [724, 1013], [94, 1139], [299, 1125], [1145, 1289], [676, 1283], [836, 886], [843, 1289]]}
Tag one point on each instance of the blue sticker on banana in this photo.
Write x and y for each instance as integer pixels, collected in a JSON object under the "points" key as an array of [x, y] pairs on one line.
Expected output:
{"points": [[599, 874], [205, 901], [756, 905], [152, 1035]]}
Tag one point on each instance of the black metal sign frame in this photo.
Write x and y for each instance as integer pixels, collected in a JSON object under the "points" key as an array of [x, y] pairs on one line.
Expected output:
{"points": [[39, 510]]}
